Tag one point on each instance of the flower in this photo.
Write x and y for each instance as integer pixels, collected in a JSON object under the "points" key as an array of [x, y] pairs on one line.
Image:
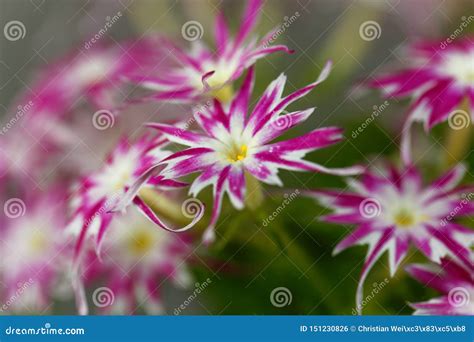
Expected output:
{"points": [[202, 72], [98, 193], [97, 74], [136, 261], [45, 118], [394, 210], [34, 252], [233, 145], [440, 78], [453, 281]]}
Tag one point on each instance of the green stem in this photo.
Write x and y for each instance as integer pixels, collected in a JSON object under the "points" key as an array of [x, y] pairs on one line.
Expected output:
{"points": [[457, 140]]}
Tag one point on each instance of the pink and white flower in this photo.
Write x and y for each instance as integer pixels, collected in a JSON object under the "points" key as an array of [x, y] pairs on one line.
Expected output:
{"points": [[439, 79], [234, 145], [97, 194], [203, 72], [394, 210], [137, 259], [454, 282], [34, 252], [96, 74]]}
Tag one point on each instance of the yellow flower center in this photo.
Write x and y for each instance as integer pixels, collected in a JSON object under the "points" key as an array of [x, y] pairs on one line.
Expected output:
{"points": [[236, 154], [223, 94], [141, 242], [404, 218], [121, 180], [38, 242]]}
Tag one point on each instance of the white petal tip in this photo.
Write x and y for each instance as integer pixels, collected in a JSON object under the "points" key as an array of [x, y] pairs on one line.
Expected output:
{"points": [[209, 236]]}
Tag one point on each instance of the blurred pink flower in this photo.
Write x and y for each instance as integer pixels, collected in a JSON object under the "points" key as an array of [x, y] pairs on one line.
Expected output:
{"points": [[101, 191], [203, 72], [96, 74], [440, 77], [137, 259], [455, 283], [34, 252]]}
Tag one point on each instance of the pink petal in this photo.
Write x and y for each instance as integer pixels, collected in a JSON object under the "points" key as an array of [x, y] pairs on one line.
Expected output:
{"points": [[237, 187], [280, 124], [249, 20], [376, 250], [354, 238], [239, 106], [221, 33], [209, 234], [403, 83], [179, 135], [150, 214]]}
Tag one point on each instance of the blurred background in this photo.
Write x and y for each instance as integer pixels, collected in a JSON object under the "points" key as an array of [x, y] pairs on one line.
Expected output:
{"points": [[251, 260]]}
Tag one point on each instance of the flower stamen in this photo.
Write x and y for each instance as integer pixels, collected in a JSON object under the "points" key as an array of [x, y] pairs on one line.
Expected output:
{"points": [[237, 154], [404, 218]]}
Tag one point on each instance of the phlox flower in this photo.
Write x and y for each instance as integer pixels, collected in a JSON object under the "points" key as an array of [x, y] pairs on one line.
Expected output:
{"points": [[96, 74], [33, 251], [235, 143], [440, 77], [137, 259], [395, 210], [42, 125], [203, 72], [454, 282], [98, 193]]}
